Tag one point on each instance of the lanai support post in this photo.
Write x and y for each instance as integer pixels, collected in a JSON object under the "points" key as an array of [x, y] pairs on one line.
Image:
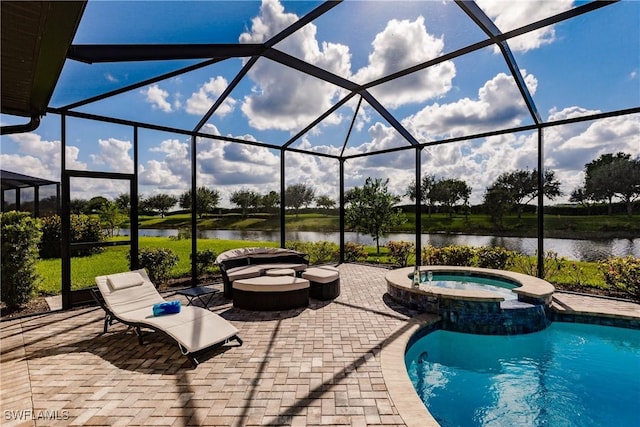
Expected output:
{"points": [[36, 201], [133, 206], [58, 202], [540, 204], [341, 203], [65, 220], [282, 200], [18, 201], [418, 205], [194, 214]]}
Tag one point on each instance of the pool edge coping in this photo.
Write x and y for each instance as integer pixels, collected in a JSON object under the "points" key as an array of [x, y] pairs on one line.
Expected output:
{"points": [[530, 286], [410, 407]]}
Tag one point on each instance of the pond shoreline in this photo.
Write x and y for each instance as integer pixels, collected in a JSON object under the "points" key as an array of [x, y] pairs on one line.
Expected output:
{"points": [[550, 234]]}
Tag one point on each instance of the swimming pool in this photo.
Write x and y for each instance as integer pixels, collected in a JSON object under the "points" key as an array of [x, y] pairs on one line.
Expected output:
{"points": [[568, 374]]}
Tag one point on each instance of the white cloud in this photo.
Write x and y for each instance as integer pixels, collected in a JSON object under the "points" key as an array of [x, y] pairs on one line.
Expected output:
{"points": [[319, 173], [286, 99], [173, 148], [394, 49], [177, 101], [172, 171], [283, 98], [228, 167], [569, 113], [201, 101], [157, 97], [41, 158], [570, 147], [498, 105], [159, 174], [268, 23], [110, 77], [115, 154], [37, 156], [508, 15]]}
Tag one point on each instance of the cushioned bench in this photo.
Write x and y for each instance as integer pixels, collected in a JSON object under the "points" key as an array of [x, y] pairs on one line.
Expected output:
{"points": [[246, 263], [324, 282], [271, 293]]}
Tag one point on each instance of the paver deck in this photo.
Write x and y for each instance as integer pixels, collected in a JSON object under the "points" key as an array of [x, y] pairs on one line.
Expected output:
{"points": [[582, 304], [320, 365]]}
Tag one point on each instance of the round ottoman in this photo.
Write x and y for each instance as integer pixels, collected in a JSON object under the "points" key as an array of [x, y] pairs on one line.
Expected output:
{"points": [[271, 293]]}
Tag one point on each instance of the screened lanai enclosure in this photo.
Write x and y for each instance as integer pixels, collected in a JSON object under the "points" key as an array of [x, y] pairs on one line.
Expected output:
{"points": [[171, 96]]}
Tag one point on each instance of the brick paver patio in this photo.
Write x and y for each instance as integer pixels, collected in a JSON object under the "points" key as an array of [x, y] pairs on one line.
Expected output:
{"points": [[315, 366]]}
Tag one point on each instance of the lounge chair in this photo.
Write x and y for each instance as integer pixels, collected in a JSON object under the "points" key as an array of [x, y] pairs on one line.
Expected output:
{"points": [[129, 298]]}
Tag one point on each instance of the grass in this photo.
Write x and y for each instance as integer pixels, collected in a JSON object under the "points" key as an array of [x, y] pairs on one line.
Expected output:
{"points": [[114, 259], [578, 272]]}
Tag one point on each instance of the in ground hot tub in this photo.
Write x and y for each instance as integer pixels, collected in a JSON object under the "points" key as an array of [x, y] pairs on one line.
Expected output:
{"points": [[475, 300]]}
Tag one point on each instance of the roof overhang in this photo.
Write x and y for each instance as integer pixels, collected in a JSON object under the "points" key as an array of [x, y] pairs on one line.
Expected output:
{"points": [[36, 36], [12, 180]]}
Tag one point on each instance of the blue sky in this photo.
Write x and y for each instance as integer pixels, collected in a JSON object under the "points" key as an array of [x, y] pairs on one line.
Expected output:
{"points": [[582, 66]]}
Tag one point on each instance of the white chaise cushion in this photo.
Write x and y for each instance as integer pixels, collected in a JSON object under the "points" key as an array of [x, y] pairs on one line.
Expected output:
{"points": [[194, 328]]}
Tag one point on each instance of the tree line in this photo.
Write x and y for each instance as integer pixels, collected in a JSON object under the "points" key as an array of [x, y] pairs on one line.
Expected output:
{"points": [[609, 177], [114, 212]]}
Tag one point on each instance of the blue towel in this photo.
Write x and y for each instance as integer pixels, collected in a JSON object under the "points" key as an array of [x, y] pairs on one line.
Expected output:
{"points": [[169, 307]]}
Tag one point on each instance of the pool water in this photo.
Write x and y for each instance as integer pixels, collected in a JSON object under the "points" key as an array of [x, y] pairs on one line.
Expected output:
{"points": [[471, 282], [569, 374]]}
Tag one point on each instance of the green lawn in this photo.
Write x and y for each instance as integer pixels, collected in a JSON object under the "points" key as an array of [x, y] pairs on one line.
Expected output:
{"points": [[114, 259]]}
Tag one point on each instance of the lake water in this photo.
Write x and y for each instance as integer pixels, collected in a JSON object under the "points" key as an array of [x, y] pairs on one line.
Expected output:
{"points": [[581, 250]]}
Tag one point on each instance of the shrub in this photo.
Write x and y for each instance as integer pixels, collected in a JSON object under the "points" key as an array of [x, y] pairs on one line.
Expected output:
{"points": [[323, 252], [49, 245], [296, 245], [433, 256], [576, 274], [319, 252], [158, 262], [83, 229], [354, 252], [204, 261], [399, 252], [459, 255], [184, 233], [494, 257], [20, 236], [448, 255], [623, 274], [552, 264]]}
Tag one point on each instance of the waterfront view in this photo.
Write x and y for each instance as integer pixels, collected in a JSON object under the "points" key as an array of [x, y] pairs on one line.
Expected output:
{"points": [[579, 250]]}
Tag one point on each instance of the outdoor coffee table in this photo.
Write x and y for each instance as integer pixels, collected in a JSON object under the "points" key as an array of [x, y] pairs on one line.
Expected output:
{"points": [[198, 292]]}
